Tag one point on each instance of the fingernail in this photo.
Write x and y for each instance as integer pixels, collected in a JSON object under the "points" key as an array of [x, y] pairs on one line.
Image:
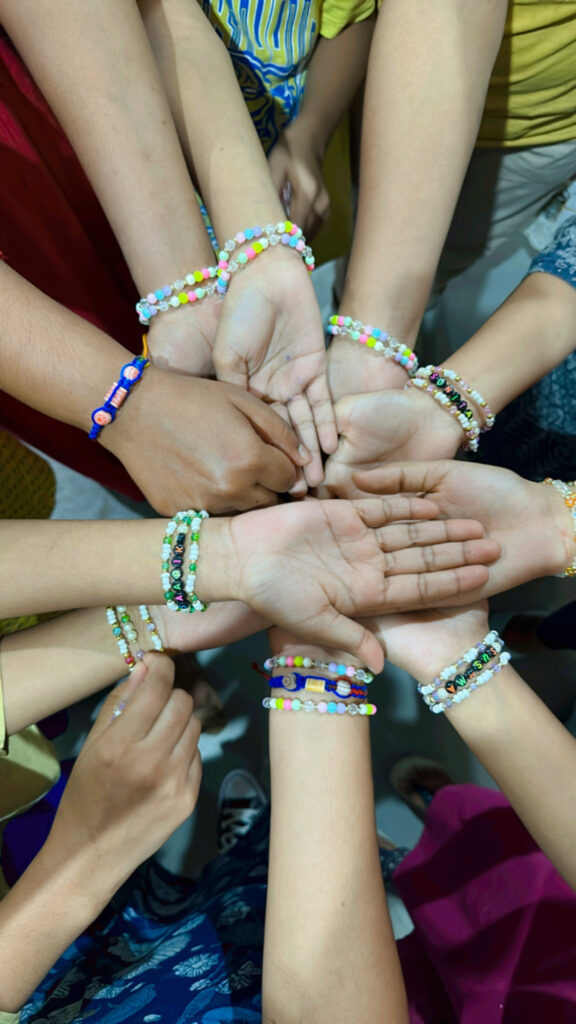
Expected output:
{"points": [[304, 453]]}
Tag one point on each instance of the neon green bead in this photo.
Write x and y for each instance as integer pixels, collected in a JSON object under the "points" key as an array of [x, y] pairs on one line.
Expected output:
{"points": [[298, 661]]}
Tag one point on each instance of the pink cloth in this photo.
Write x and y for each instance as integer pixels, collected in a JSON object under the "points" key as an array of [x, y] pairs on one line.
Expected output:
{"points": [[495, 924]]}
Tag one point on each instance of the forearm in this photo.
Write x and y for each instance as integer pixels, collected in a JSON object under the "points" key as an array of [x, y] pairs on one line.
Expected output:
{"points": [[412, 166], [334, 76], [325, 890], [215, 128], [95, 66], [49, 907], [524, 340]]}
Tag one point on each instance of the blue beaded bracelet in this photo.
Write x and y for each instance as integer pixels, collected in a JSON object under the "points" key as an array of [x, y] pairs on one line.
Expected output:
{"points": [[343, 687], [129, 376]]}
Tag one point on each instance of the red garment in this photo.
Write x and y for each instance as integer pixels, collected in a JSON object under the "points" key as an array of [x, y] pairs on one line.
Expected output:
{"points": [[495, 924], [54, 233]]}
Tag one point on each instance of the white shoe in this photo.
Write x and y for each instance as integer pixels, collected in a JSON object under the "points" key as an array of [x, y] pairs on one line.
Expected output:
{"points": [[240, 801]]}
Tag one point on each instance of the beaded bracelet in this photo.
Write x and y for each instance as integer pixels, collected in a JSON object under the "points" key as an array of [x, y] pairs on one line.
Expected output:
{"points": [[200, 283], [150, 626], [316, 684], [332, 707], [125, 633], [445, 697], [360, 675], [456, 406], [436, 374], [374, 338], [130, 374], [568, 492], [491, 644], [179, 592]]}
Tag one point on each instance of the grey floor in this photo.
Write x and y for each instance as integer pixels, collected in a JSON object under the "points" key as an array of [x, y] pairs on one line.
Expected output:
{"points": [[403, 725]]}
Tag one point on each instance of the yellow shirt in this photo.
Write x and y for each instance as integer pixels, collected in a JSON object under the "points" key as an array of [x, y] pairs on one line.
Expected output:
{"points": [[532, 94]]}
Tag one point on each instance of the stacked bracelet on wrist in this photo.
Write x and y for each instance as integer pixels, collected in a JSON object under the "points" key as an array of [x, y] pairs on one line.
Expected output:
{"points": [[178, 552], [130, 374], [568, 492], [323, 707], [358, 675], [126, 635], [440, 384], [374, 338], [458, 681], [342, 687], [210, 280]]}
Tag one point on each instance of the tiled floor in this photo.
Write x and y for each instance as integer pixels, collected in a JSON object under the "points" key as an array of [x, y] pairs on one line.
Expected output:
{"points": [[403, 725]]}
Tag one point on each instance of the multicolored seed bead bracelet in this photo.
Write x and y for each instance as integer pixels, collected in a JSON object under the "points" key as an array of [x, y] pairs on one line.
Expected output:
{"points": [[435, 373], [374, 338], [130, 374], [359, 675], [124, 634], [454, 404], [150, 627], [210, 280], [179, 588], [342, 687], [568, 492], [332, 707]]}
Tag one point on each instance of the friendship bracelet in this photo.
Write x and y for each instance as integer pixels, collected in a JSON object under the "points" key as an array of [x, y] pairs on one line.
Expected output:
{"points": [[150, 626], [491, 644], [454, 404], [374, 338], [124, 634], [215, 279], [179, 592], [316, 684], [360, 675], [332, 707], [436, 374], [568, 492], [130, 374], [446, 696]]}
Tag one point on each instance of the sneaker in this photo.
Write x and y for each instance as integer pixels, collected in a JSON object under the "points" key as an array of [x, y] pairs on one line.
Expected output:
{"points": [[240, 801], [417, 780]]}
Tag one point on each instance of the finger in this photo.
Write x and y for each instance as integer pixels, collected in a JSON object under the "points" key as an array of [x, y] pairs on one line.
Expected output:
{"points": [[378, 511], [320, 401], [273, 429], [396, 536], [411, 477], [150, 698], [425, 590], [437, 557], [115, 703], [334, 630], [300, 488], [186, 748], [275, 472], [170, 724], [302, 421]]}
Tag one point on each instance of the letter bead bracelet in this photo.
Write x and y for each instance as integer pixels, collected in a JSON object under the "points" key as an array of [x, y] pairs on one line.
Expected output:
{"points": [[374, 338], [180, 550], [197, 285], [568, 492], [449, 377], [471, 670]]}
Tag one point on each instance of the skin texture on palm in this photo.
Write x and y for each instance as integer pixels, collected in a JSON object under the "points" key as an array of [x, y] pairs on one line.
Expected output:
{"points": [[386, 426], [529, 520]]}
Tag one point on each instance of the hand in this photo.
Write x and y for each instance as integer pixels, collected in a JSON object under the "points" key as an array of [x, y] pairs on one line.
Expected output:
{"points": [[386, 426], [136, 779], [354, 369], [529, 520], [223, 623], [191, 443], [182, 339], [295, 161], [423, 643], [271, 341], [309, 567]]}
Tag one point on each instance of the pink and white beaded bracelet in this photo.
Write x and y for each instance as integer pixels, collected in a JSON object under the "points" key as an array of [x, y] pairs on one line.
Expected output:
{"points": [[374, 338]]}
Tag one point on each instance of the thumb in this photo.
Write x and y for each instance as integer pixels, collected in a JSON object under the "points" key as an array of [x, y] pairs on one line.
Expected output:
{"points": [[335, 630], [273, 429], [115, 703]]}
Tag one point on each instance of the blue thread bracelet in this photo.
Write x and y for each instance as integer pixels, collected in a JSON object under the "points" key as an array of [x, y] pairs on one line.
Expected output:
{"points": [[106, 413], [343, 687]]}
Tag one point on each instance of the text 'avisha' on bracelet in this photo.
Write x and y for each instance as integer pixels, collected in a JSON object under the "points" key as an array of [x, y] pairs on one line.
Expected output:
{"points": [[375, 339], [130, 374], [212, 280]]}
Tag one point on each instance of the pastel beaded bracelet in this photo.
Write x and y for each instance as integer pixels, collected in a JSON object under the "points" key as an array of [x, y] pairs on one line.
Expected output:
{"points": [[179, 589], [342, 687], [215, 279], [568, 492], [435, 373], [374, 338], [359, 675], [455, 405], [106, 413], [332, 707]]}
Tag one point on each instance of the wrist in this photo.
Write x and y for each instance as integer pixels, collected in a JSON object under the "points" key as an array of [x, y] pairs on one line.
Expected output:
{"points": [[217, 573], [81, 879], [310, 134], [561, 535]]}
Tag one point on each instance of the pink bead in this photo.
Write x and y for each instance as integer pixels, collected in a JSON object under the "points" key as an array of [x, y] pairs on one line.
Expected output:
{"points": [[363, 339], [240, 237], [191, 296], [300, 246], [350, 672], [102, 418], [341, 321], [294, 229], [119, 397], [289, 661], [322, 707], [205, 273], [223, 264], [224, 276], [287, 704], [110, 390], [152, 298], [250, 253], [131, 373]]}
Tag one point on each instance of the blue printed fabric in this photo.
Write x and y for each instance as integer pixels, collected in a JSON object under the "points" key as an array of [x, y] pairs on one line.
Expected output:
{"points": [[536, 434]]}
